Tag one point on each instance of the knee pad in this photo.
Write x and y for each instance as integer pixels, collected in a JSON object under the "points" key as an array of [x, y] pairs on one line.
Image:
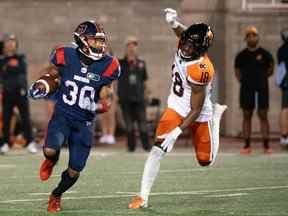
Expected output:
{"points": [[54, 158]]}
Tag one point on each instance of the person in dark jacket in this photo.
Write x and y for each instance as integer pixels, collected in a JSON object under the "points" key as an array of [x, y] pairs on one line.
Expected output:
{"points": [[131, 92], [13, 75]]}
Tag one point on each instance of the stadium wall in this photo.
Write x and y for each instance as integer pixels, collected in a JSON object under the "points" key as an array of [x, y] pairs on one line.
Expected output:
{"points": [[42, 25]]}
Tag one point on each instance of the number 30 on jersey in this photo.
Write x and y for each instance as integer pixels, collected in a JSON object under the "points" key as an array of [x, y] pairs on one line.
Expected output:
{"points": [[85, 102]]}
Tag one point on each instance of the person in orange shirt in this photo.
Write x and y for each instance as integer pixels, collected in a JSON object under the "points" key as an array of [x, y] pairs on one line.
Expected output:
{"points": [[189, 104]]}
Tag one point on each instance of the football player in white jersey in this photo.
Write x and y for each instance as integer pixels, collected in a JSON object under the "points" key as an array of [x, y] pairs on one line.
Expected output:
{"points": [[189, 104]]}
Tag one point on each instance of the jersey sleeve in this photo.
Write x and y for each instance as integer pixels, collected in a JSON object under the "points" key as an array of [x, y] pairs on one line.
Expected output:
{"points": [[57, 57], [200, 74], [113, 71]]}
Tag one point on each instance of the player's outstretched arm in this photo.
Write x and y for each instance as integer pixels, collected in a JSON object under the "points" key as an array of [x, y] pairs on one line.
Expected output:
{"points": [[46, 84], [172, 19]]}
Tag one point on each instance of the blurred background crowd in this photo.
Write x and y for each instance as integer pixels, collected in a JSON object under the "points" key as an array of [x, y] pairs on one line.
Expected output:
{"points": [[249, 51]]}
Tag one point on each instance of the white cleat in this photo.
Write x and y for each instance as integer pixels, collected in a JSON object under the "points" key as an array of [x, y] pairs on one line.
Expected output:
{"points": [[4, 149], [218, 111], [110, 140], [103, 139], [32, 148]]}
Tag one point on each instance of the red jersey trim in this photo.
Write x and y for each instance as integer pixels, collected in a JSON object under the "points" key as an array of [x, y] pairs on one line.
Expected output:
{"points": [[111, 68], [60, 59]]}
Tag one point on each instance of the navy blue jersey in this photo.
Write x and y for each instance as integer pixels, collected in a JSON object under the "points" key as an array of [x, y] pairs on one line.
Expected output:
{"points": [[80, 85]]}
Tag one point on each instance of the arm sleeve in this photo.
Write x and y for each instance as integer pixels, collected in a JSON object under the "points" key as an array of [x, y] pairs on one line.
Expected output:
{"points": [[238, 62], [113, 71], [57, 57]]}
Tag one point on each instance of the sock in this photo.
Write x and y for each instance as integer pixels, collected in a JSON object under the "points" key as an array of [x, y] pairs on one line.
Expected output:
{"points": [[247, 142], [151, 170], [266, 143], [53, 158], [65, 183]]}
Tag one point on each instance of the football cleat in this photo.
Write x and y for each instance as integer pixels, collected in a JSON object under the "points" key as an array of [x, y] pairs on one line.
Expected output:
{"points": [[54, 204], [245, 151], [137, 202], [46, 169]]}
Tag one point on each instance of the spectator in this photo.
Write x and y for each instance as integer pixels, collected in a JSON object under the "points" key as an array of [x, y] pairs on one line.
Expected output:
{"points": [[253, 66], [108, 122], [282, 58], [131, 93], [13, 74]]}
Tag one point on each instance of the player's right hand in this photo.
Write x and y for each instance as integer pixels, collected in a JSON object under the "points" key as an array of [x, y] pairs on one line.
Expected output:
{"points": [[37, 90], [171, 16], [103, 105]]}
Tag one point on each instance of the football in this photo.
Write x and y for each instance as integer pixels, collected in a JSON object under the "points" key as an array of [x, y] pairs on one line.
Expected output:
{"points": [[53, 83]]}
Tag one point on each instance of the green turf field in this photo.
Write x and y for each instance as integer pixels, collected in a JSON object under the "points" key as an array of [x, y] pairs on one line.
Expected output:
{"points": [[236, 185]]}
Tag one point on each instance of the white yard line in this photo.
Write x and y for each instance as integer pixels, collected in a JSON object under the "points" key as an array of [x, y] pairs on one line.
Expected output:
{"points": [[227, 195], [27, 176], [130, 194], [48, 193], [170, 171], [211, 191], [67, 198], [6, 166]]}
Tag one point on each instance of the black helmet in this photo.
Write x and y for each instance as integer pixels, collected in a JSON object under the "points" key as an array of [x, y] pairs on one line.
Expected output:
{"points": [[195, 41]]}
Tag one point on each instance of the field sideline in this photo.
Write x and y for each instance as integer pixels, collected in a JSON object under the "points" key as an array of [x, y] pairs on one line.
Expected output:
{"points": [[253, 185]]}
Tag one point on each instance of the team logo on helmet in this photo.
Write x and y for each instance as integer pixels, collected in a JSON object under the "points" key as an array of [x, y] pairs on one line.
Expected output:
{"points": [[81, 29]]}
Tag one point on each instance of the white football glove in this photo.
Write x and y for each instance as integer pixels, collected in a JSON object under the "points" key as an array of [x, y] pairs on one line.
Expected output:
{"points": [[171, 17], [170, 139]]}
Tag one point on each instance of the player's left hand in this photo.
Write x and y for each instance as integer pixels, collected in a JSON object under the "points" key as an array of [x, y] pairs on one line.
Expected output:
{"points": [[170, 139]]}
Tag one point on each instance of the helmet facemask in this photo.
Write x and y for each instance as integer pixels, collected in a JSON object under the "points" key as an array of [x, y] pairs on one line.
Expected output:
{"points": [[195, 41], [187, 50]]}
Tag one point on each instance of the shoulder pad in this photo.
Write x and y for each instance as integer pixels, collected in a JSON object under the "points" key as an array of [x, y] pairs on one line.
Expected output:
{"points": [[200, 73]]}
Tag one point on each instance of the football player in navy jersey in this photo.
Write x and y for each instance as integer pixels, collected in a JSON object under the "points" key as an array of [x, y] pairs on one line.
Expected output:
{"points": [[80, 75]]}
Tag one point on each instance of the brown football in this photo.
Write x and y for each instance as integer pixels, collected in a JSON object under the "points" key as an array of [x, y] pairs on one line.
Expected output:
{"points": [[52, 82]]}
